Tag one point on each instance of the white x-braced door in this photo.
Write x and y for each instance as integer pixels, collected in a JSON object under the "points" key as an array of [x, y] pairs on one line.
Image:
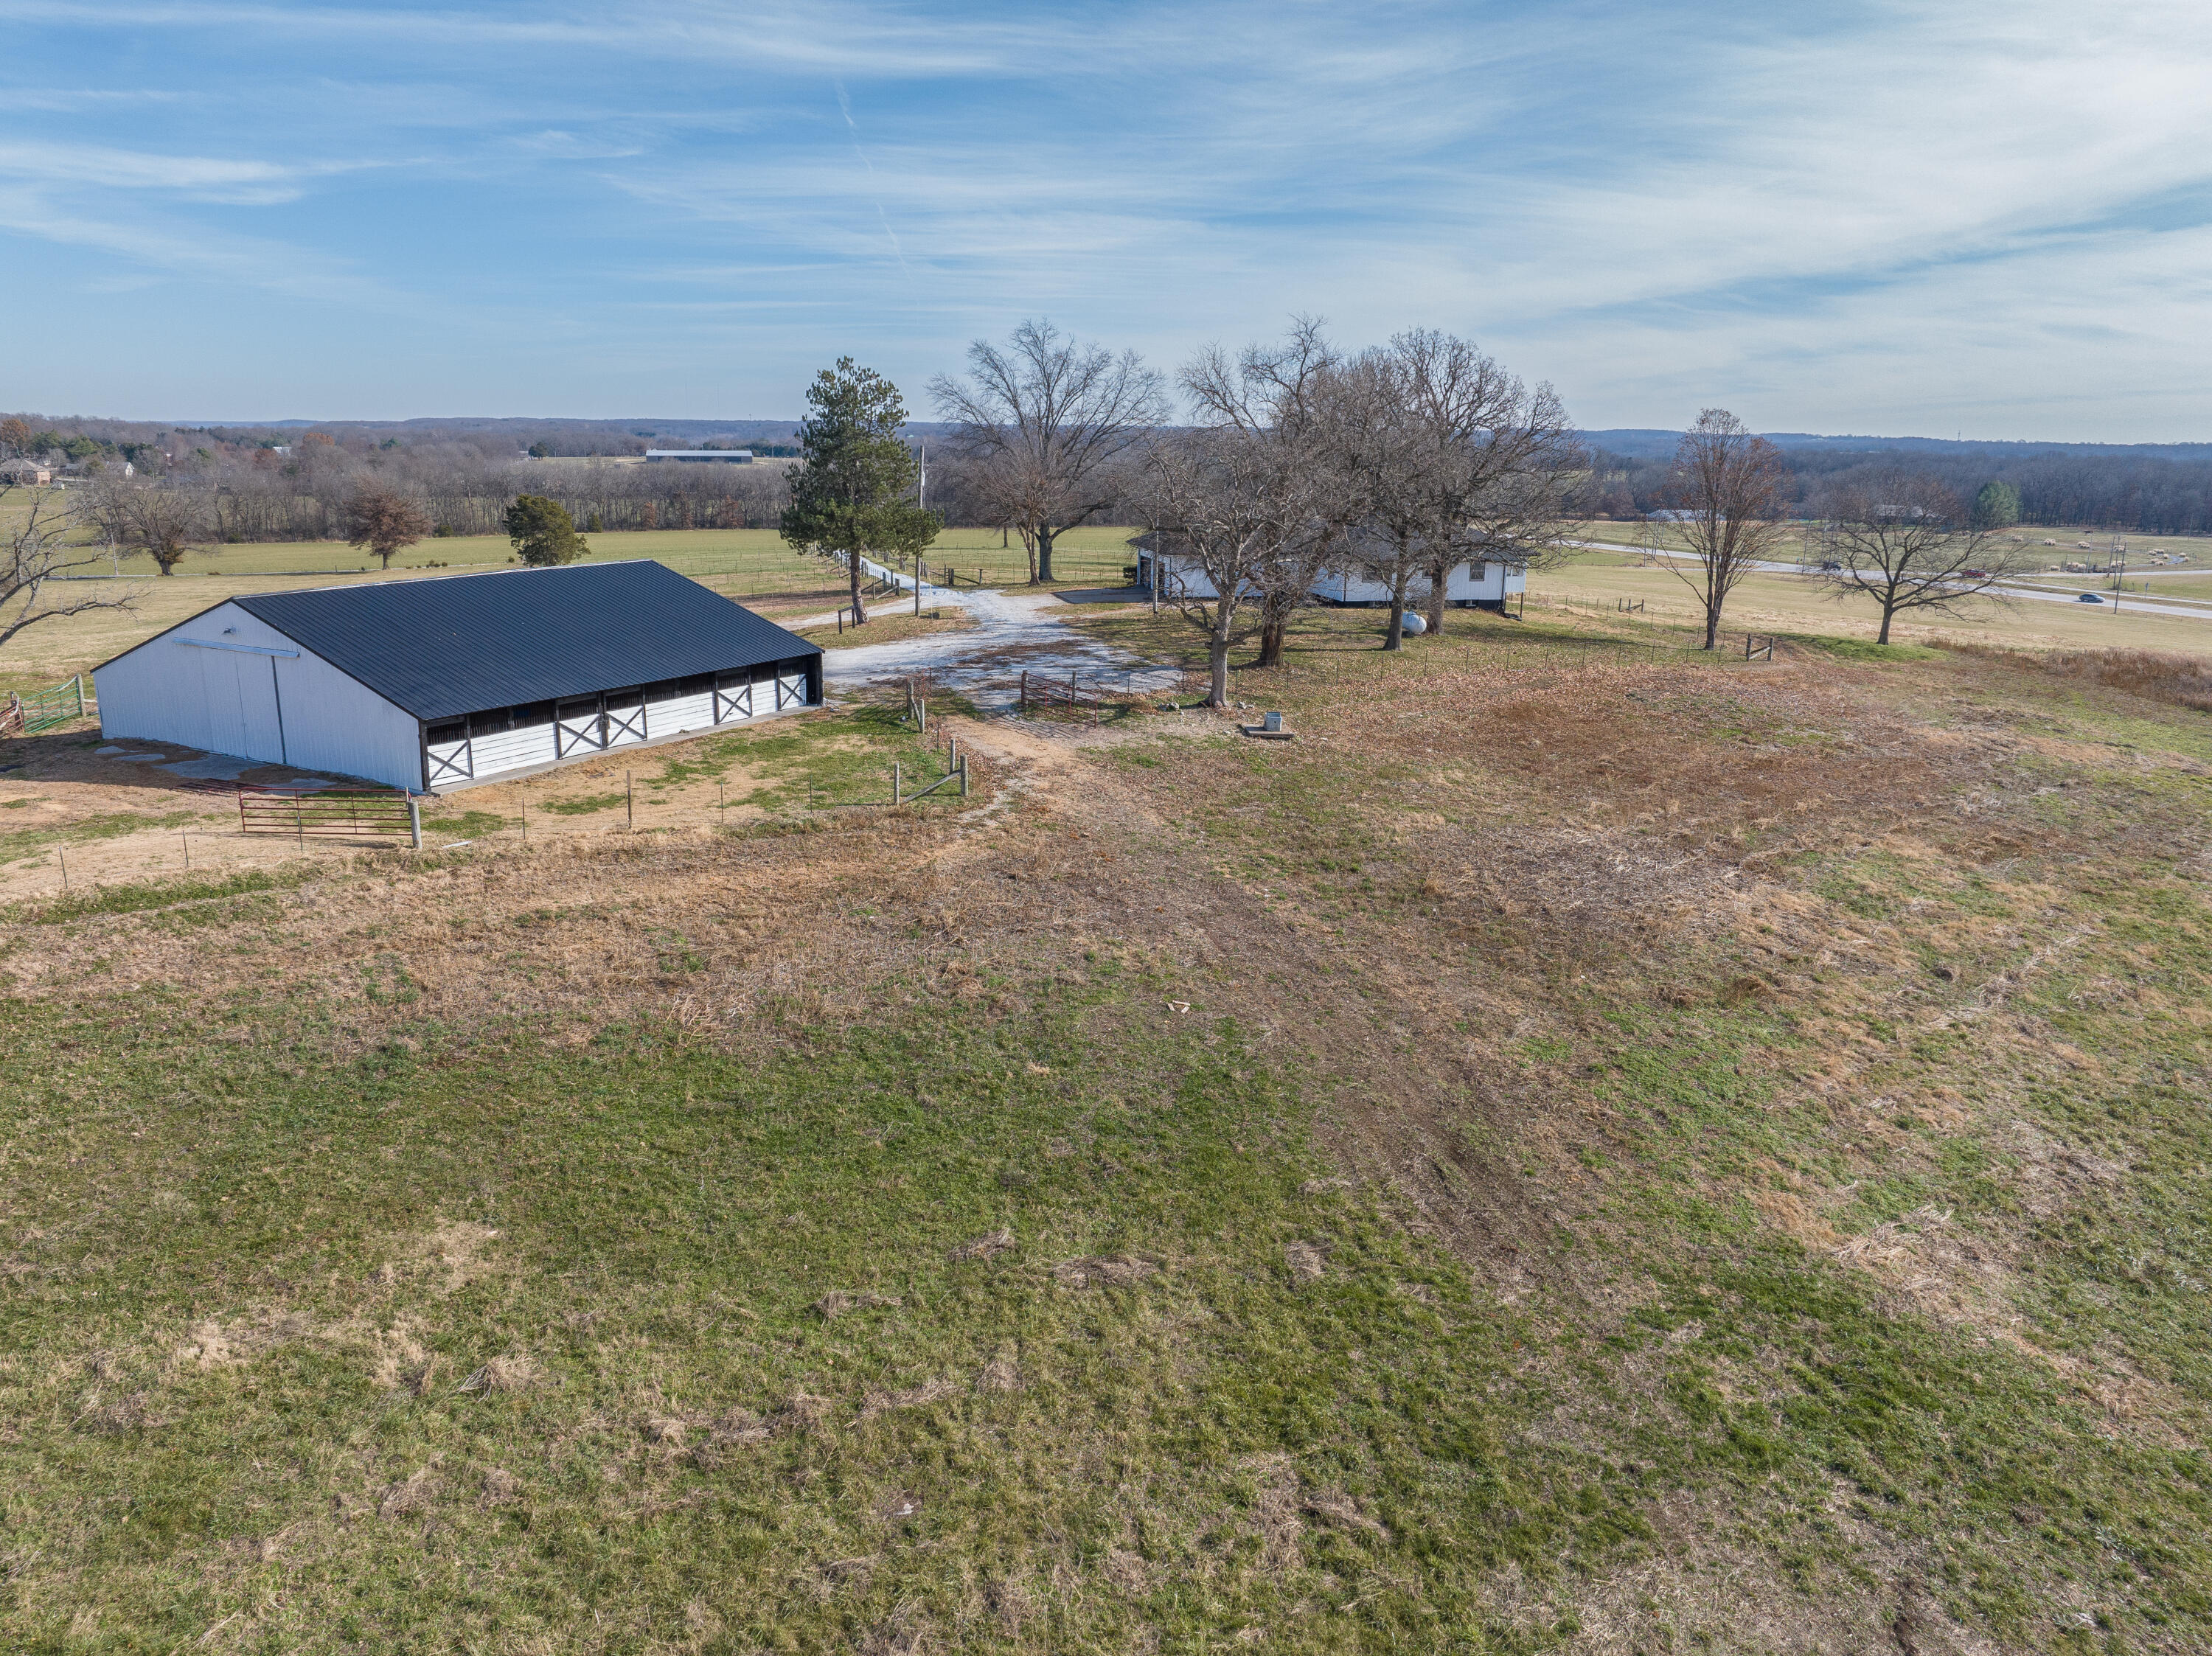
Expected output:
{"points": [[790, 690], [625, 720], [451, 761], [578, 728], [734, 702]]}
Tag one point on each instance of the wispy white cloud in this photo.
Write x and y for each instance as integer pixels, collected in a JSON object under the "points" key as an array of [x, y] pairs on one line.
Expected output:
{"points": [[1878, 209], [199, 176]]}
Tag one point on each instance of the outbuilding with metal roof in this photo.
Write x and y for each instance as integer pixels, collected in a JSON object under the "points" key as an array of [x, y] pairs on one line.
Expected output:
{"points": [[432, 684]]}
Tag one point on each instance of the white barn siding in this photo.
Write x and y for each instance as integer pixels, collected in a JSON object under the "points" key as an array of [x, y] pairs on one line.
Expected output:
{"points": [[283, 710], [512, 751], [668, 715]]}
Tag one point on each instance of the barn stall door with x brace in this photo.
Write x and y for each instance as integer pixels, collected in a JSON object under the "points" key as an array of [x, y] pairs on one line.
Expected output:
{"points": [[732, 701], [625, 718], [577, 727]]}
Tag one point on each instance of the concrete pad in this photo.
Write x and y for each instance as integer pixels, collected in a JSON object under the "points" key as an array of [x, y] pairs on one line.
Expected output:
{"points": [[215, 767], [1105, 595]]}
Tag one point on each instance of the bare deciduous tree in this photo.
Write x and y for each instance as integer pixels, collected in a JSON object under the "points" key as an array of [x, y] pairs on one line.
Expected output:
{"points": [[1906, 542], [1062, 412], [382, 521], [1727, 488], [1495, 460], [37, 550], [1010, 490], [1386, 453], [1291, 395], [163, 520], [1224, 505]]}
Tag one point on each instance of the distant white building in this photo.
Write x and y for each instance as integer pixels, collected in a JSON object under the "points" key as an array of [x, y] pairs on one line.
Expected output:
{"points": [[742, 456], [1473, 582]]}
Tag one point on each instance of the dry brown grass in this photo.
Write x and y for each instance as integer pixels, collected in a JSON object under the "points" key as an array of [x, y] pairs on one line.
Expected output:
{"points": [[2154, 675], [1411, 907]]}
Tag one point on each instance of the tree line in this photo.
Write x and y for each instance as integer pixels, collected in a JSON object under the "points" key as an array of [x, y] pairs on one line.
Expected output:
{"points": [[2138, 494], [1402, 462]]}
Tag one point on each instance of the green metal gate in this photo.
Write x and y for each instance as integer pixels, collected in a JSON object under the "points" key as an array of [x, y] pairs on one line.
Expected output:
{"points": [[29, 712]]}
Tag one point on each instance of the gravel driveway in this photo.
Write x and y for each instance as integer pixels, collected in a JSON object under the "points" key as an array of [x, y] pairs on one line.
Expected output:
{"points": [[1014, 632]]}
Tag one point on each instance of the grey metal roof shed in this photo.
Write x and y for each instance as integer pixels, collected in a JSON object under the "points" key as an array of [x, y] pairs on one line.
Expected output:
{"points": [[436, 682]]}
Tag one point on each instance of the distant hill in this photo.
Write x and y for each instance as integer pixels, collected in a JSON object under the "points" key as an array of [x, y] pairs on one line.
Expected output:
{"points": [[1639, 442]]}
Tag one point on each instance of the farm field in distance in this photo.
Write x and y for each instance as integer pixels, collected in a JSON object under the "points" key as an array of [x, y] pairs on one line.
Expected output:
{"points": [[753, 566], [1596, 583], [1587, 1148]]}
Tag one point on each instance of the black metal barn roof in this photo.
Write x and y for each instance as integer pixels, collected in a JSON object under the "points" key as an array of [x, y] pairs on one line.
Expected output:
{"points": [[460, 644]]}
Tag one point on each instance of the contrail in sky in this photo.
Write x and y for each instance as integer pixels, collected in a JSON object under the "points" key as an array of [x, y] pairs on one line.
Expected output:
{"points": [[846, 104]]}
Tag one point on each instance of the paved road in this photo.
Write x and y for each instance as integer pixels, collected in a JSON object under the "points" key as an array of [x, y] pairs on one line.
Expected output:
{"points": [[2130, 604]]}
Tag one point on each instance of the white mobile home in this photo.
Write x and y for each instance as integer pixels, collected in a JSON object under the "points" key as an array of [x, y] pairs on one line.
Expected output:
{"points": [[432, 684], [1473, 582], [1469, 583]]}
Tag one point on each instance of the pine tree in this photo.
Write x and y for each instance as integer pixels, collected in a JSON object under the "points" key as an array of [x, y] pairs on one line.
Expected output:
{"points": [[1997, 507], [853, 491], [543, 531]]}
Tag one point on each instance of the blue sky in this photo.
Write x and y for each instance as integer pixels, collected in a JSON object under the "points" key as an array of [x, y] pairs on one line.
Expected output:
{"points": [[1993, 218]]}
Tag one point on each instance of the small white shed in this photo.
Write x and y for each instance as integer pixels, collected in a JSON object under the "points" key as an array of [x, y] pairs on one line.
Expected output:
{"points": [[432, 684]]}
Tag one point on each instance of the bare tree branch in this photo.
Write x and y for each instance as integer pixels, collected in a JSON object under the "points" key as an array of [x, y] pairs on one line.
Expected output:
{"points": [[1905, 542], [1727, 491], [37, 552], [1058, 413]]}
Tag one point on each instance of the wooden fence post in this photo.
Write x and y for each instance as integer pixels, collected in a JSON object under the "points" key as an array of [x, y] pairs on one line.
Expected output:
{"points": [[894, 782], [414, 819], [630, 804]]}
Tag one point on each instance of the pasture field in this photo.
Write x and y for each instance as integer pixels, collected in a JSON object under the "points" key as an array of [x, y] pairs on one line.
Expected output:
{"points": [[752, 566], [1594, 584], [2047, 547], [1587, 1149]]}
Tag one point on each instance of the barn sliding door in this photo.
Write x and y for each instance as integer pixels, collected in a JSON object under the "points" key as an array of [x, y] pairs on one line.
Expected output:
{"points": [[732, 701], [790, 688], [577, 727]]}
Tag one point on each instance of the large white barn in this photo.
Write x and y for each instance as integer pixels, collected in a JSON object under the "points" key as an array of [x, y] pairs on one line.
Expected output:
{"points": [[432, 684]]}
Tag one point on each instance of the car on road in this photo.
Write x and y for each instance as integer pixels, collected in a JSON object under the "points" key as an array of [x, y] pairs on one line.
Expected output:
{"points": [[2089, 597]]}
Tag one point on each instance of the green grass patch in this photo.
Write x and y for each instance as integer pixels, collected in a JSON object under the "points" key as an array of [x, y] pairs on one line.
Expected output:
{"points": [[20, 843], [138, 896], [1859, 649], [583, 807], [589, 1342], [474, 824]]}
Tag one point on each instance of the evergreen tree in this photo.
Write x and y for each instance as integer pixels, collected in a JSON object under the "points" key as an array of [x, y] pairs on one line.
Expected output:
{"points": [[543, 531], [853, 494], [1997, 507]]}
